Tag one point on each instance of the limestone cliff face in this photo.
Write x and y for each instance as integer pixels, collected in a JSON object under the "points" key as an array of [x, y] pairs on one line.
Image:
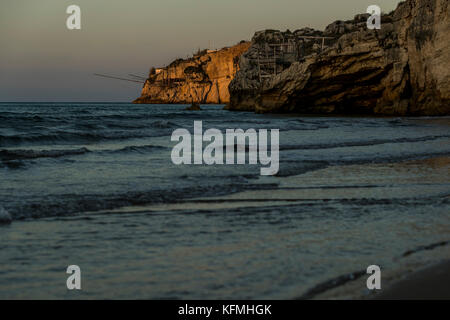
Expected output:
{"points": [[201, 79], [402, 69]]}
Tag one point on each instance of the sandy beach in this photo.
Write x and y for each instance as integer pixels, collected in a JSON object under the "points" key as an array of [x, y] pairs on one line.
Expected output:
{"points": [[420, 274], [429, 283]]}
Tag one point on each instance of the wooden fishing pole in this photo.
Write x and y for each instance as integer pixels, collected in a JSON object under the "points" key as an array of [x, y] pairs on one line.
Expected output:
{"points": [[137, 77], [117, 78]]}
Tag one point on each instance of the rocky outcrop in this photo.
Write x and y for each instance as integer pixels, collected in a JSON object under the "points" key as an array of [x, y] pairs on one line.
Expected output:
{"points": [[203, 78], [402, 69]]}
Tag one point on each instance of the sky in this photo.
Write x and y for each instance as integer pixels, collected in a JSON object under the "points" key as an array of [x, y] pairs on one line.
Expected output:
{"points": [[42, 61]]}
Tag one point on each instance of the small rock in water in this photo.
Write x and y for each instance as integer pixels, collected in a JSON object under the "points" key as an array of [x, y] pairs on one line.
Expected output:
{"points": [[5, 217], [194, 107]]}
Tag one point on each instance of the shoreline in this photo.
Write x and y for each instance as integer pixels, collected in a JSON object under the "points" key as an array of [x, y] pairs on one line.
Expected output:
{"points": [[418, 275], [429, 283]]}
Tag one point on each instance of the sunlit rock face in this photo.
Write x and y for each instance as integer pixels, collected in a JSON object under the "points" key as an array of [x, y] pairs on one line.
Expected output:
{"points": [[402, 69], [203, 78]]}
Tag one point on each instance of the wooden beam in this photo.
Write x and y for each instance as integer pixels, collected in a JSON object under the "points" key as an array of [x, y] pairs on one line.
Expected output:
{"points": [[117, 78]]}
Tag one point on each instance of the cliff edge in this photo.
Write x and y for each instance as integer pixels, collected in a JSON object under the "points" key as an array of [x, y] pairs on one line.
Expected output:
{"points": [[204, 78], [402, 69]]}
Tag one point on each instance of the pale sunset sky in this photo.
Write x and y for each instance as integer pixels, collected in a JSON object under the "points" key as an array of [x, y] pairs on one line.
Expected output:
{"points": [[41, 60]]}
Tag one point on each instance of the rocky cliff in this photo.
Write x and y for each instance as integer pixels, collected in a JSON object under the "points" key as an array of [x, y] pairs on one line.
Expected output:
{"points": [[203, 78], [402, 69]]}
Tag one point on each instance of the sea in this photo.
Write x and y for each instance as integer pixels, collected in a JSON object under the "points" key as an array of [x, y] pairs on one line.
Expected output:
{"points": [[93, 185]]}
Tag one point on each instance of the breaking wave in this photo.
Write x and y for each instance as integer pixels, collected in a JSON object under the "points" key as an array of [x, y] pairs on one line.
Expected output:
{"points": [[75, 137], [71, 204], [11, 158], [33, 154], [360, 143]]}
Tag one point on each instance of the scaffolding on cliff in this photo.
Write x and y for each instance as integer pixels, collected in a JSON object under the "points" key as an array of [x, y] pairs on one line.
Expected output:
{"points": [[274, 58]]}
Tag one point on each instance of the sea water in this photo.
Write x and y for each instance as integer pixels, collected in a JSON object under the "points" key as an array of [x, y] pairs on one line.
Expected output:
{"points": [[93, 185]]}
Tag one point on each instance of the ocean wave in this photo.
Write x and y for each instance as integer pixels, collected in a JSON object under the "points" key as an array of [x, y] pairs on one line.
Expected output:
{"points": [[294, 168], [11, 158], [72, 204], [65, 137], [12, 164], [426, 247], [137, 149], [33, 118], [163, 124], [7, 155], [331, 284], [359, 143], [389, 158]]}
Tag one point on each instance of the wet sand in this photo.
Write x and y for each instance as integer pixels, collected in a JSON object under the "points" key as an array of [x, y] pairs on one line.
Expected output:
{"points": [[422, 273], [430, 283]]}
